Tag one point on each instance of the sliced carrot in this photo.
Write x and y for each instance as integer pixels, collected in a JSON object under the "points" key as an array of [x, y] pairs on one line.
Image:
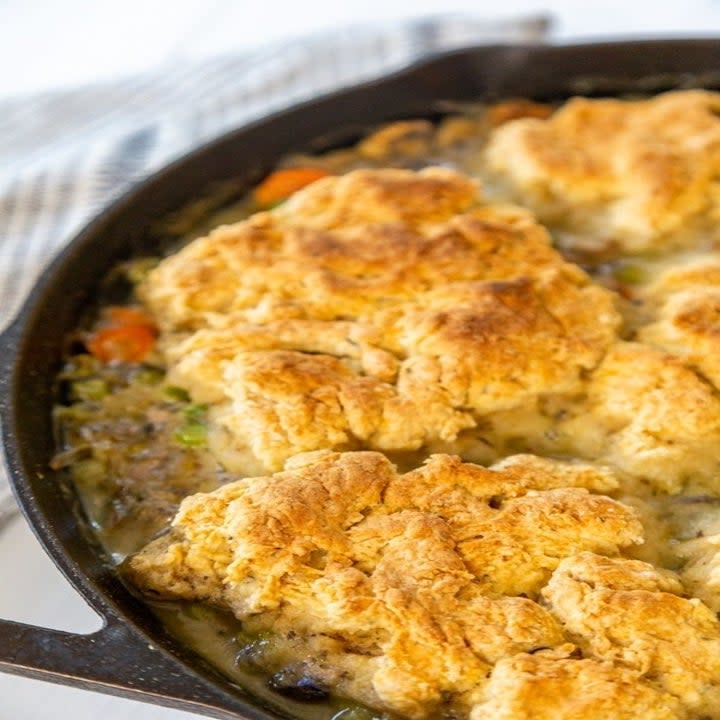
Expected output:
{"points": [[281, 184], [128, 343], [123, 315], [124, 334]]}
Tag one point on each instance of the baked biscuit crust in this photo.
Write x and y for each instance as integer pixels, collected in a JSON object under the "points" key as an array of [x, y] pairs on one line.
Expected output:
{"points": [[432, 583], [684, 302], [632, 613], [554, 685], [383, 309], [617, 176], [650, 415]]}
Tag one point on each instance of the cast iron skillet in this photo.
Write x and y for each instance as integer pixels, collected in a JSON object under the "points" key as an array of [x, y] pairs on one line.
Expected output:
{"points": [[131, 655]]}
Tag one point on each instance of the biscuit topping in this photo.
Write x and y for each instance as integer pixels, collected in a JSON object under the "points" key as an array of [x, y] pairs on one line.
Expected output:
{"points": [[427, 579], [617, 176], [383, 309]]}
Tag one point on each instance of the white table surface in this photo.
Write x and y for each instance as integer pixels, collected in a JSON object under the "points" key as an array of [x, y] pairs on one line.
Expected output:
{"points": [[46, 45]]}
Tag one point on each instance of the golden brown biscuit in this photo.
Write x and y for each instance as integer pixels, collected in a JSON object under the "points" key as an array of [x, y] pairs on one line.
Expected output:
{"points": [[419, 575], [631, 613], [688, 326], [682, 271], [650, 415], [384, 309], [683, 301], [552, 685], [617, 175]]}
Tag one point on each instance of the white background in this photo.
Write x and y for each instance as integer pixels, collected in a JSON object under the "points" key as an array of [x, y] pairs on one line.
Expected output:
{"points": [[46, 45], [51, 43]]}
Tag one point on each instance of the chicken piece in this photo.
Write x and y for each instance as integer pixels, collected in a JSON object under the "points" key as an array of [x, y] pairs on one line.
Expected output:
{"points": [[650, 415], [617, 176], [554, 685], [695, 528], [401, 569], [701, 572], [383, 309], [631, 613]]}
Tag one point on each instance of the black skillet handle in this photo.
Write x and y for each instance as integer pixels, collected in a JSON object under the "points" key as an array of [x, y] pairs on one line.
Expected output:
{"points": [[114, 660]]}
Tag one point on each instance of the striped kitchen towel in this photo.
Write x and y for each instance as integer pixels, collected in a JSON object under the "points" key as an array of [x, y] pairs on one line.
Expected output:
{"points": [[65, 155]]}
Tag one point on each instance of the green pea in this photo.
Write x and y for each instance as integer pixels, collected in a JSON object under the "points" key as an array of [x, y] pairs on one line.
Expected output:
{"points": [[90, 389], [195, 412], [79, 367], [173, 392], [630, 274], [191, 434], [149, 375]]}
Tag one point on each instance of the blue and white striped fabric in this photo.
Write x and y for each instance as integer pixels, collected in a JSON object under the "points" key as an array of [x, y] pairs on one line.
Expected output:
{"points": [[64, 156]]}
